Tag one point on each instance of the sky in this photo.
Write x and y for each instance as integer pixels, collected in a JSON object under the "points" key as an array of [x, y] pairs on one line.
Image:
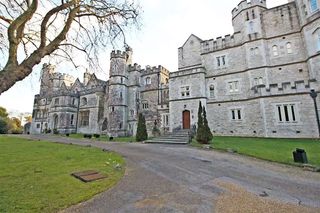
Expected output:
{"points": [[166, 25]]}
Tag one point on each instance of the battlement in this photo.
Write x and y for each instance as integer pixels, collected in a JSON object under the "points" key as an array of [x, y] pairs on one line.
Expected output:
{"points": [[246, 4], [48, 68], [154, 69], [221, 43], [284, 88], [134, 67], [118, 54]]}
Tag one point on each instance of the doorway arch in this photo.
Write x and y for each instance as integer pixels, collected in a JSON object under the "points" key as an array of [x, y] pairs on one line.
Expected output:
{"points": [[55, 121], [186, 119]]}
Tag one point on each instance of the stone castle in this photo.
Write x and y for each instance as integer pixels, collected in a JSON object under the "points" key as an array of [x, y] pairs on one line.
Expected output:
{"points": [[255, 82]]}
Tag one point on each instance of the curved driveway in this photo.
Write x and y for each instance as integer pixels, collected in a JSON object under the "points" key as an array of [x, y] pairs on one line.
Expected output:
{"points": [[170, 178]]}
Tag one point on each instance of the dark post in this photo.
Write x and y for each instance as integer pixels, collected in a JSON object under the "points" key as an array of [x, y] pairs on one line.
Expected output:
{"points": [[314, 95]]}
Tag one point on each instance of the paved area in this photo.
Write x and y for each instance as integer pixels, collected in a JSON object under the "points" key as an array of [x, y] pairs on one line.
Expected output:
{"points": [[178, 178]]}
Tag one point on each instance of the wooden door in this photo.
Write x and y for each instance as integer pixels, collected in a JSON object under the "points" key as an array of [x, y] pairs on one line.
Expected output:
{"points": [[186, 119]]}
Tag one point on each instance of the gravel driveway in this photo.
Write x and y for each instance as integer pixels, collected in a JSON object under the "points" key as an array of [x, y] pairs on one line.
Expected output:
{"points": [[170, 178]]}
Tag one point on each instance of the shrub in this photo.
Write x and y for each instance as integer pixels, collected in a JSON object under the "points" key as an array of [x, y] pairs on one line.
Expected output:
{"points": [[142, 133], [96, 135], [55, 131], [3, 126]]}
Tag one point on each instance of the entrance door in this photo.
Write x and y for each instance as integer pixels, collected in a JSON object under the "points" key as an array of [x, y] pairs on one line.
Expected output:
{"points": [[186, 119], [55, 121]]}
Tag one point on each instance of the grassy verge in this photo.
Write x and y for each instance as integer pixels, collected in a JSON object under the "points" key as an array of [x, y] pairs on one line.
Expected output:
{"points": [[35, 176], [273, 149]]}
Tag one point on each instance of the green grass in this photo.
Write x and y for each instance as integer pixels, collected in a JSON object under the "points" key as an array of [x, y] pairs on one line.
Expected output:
{"points": [[35, 176], [273, 149]]}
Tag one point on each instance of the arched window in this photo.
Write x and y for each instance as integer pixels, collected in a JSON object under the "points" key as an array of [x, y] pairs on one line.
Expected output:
{"points": [[313, 5], [84, 101], [247, 16], [148, 80], [260, 81], [316, 35], [211, 90], [72, 119], [275, 50], [289, 48]]}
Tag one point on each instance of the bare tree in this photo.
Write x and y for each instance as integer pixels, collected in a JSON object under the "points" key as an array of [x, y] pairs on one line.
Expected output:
{"points": [[31, 30]]}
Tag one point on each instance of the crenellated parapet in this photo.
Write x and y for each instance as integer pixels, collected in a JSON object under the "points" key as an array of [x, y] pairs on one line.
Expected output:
{"points": [[134, 67], [298, 86], [221, 43], [247, 4], [118, 54], [154, 69]]}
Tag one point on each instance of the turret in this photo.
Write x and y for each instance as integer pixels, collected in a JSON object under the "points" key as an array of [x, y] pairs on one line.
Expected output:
{"points": [[86, 77], [118, 100], [246, 18], [47, 72]]}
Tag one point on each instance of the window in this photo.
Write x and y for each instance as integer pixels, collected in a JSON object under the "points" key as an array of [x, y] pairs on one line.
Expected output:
{"points": [[73, 101], [221, 61], [275, 50], [121, 80], [72, 119], [84, 101], [145, 105], [38, 126], [211, 91], [148, 80], [286, 113], [289, 48], [316, 35], [132, 112], [253, 14], [185, 91], [56, 101], [313, 5], [165, 120], [247, 16], [84, 118], [120, 95], [234, 86], [258, 81], [236, 115]]}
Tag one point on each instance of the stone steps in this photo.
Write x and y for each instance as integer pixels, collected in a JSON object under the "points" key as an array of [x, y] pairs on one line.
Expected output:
{"points": [[178, 137]]}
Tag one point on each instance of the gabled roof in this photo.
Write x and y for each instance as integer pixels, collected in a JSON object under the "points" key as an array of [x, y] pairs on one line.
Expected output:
{"points": [[192, 36], [77, 85]]}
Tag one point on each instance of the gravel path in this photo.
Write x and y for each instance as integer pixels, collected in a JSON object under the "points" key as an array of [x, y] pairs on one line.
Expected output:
{"points": [[169, 178]]}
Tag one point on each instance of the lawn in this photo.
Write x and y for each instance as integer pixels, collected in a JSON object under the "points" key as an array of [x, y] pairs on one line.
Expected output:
{"points": [[273, 149], [35, 176]]}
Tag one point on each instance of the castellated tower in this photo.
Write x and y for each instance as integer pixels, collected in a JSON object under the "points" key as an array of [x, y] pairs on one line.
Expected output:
{"points": [[118, 89], [246, 18], [46, 79]]}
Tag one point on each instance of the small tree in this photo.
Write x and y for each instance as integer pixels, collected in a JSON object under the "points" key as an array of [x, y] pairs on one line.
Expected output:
{"points": [[3, 126], [142, 134], [208, 134], [200, 127]]}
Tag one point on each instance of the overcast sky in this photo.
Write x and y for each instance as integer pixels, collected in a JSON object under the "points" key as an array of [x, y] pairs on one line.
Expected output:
{"points": [[166, 24]]}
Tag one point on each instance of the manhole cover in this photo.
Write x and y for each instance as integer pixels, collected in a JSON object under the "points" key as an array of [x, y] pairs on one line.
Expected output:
{"points": [[88, 176]]}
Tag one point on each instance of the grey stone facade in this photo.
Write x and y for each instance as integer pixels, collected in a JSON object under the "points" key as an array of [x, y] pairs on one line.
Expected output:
{"points": [[103, 107], [255, 82]]}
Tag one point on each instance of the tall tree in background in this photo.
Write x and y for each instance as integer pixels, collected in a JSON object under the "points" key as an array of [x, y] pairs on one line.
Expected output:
{"points": [[31, 30], [142, 133], [208, 134], [200, 127]]}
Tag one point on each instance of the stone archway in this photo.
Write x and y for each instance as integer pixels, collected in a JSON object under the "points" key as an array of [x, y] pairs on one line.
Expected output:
{"points": [[55, 121], [186, 119]]}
